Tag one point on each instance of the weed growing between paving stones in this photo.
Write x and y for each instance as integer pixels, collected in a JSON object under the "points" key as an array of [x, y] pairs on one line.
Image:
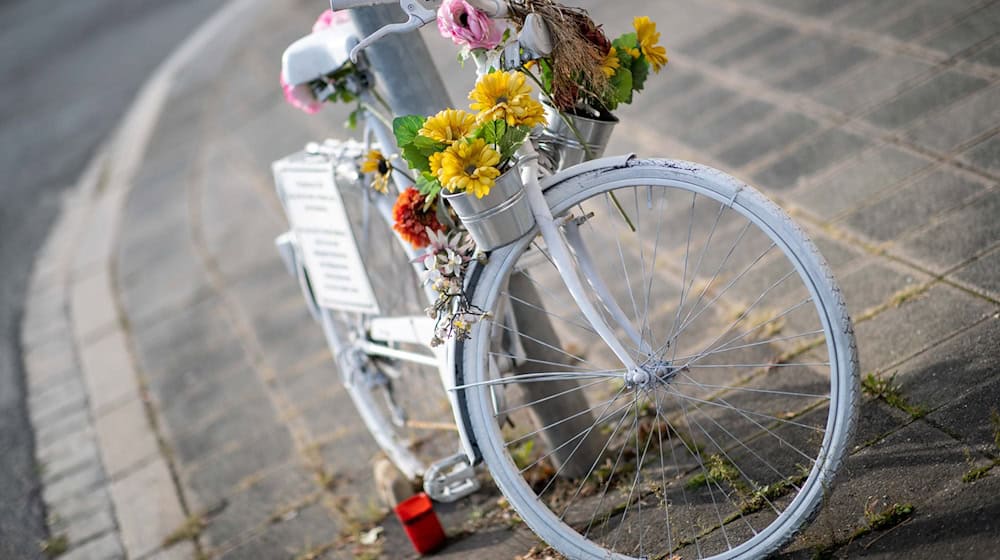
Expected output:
{"points": [[875, 520], [719, 470], [895, 300], [55, 545], [886, 389], [885, 518], [189, 530], [976, 473]]}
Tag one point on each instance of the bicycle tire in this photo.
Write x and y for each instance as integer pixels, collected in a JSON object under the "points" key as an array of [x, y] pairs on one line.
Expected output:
{"points": [[761, 510]]}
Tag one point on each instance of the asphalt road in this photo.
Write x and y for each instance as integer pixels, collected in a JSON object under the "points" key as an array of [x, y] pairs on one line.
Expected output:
{"points": [[69, 70]]}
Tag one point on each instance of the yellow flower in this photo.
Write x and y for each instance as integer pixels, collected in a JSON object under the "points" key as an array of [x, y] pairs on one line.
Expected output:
{"points": [[435, 162], [611, 62], [469, 166], [448, 126], [506, 96], [648, 39], [376, 163]]}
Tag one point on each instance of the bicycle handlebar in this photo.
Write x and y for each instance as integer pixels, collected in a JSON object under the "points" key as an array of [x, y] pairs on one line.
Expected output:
{"points": [[337, 5], [419, 12]]}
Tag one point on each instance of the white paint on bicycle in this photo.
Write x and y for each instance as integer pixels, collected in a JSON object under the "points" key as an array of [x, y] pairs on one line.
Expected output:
{"points": [[329, 249]]}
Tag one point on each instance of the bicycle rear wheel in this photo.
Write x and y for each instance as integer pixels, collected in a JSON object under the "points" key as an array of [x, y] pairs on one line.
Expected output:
{"points": [[401, 400], [727, 444]]}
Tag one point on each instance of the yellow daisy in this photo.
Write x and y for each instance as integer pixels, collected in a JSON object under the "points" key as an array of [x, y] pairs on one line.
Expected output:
{"points": [[435, 162], [648, 39], [506, 96], [469, 167], [611, 62], [376, 163], [448, 126]]}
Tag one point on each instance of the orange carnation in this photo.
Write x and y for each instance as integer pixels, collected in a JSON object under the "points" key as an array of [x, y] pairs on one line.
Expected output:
{"points": [[411, 221]]}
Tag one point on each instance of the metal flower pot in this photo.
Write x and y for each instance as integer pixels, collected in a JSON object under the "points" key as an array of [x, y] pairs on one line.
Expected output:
{"points": [[498, 218], [563, 147]]}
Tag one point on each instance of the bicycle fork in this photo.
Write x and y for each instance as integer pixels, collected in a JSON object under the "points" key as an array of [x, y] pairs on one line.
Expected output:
{"points": [[559, 251]]}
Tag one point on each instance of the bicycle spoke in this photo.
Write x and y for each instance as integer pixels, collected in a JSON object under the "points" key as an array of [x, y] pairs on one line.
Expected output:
{"points": [[538, 378], [702, 354], [745, 413], [536, 341], [536, 361], [549, 313], [519, 439], [550, 397], [601, 418], [750, 390], [708, 305], [723, 348], [769, 364]]}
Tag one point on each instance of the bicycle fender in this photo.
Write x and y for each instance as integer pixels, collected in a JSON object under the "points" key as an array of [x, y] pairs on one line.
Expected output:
{"points": [[613, 162], [458, 399]]}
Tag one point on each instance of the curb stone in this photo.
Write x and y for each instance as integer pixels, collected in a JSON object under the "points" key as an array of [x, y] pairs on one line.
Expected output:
{"points": [[123, 501]]}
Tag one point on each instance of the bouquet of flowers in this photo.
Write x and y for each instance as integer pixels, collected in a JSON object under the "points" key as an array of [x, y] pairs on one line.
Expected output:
{"points": [[585, 72], [462, 152]]}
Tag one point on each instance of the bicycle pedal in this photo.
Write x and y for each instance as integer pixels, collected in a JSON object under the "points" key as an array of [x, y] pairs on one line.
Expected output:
{"points": [[451, 479]]}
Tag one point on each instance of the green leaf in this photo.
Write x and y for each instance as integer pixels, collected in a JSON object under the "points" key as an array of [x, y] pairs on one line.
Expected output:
{"points": [[492, 132], [428, 186], [425, 143], [545, 68], [512, 140], [626, 42], [406, 128], [426, 183], [622, 86], [352, 119], [416, 157], [640, 71]]}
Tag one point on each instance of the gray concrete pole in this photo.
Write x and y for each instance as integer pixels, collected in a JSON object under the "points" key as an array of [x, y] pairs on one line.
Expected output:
{"points": [[403, 64]]}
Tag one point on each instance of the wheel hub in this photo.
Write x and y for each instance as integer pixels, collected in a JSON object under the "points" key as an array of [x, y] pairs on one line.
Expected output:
{"points": [[652, 371]]}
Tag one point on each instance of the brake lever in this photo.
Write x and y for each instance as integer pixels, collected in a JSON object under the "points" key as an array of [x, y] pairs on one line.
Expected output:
{"points": [[419, 16]]}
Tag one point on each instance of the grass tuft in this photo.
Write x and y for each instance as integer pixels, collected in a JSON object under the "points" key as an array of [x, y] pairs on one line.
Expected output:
{"points": [[888, 517], [976, 473], [55, 545], [887, 390], [188, 531]]}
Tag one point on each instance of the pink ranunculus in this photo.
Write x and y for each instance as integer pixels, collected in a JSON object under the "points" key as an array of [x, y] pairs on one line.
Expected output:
{"points": [[467, 26], [300, 97], [329, 18]]}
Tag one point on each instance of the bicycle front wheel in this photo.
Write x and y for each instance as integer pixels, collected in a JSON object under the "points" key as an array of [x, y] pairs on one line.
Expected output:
{"points": [[726, 442]]}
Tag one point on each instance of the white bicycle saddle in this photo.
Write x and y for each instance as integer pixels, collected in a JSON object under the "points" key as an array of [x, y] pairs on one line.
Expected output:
{"points": [[318, 54]]}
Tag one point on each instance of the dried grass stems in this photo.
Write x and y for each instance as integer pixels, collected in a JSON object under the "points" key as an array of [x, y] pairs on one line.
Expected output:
{"points": [[579, 48]]}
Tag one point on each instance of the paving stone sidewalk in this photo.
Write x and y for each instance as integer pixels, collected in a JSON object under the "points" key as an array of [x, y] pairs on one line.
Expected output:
{"points": [[176, 369]]}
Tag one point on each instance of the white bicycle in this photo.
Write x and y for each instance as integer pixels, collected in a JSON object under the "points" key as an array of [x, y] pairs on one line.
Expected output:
{"points": [[667, 367]]}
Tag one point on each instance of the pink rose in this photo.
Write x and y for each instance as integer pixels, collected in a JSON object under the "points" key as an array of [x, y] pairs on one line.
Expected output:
{"points": [[300, 97], [467, 26], [328, 18]]}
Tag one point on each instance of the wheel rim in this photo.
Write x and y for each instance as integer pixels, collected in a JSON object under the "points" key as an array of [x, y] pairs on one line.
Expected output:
{"points": [[763, 510]]}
